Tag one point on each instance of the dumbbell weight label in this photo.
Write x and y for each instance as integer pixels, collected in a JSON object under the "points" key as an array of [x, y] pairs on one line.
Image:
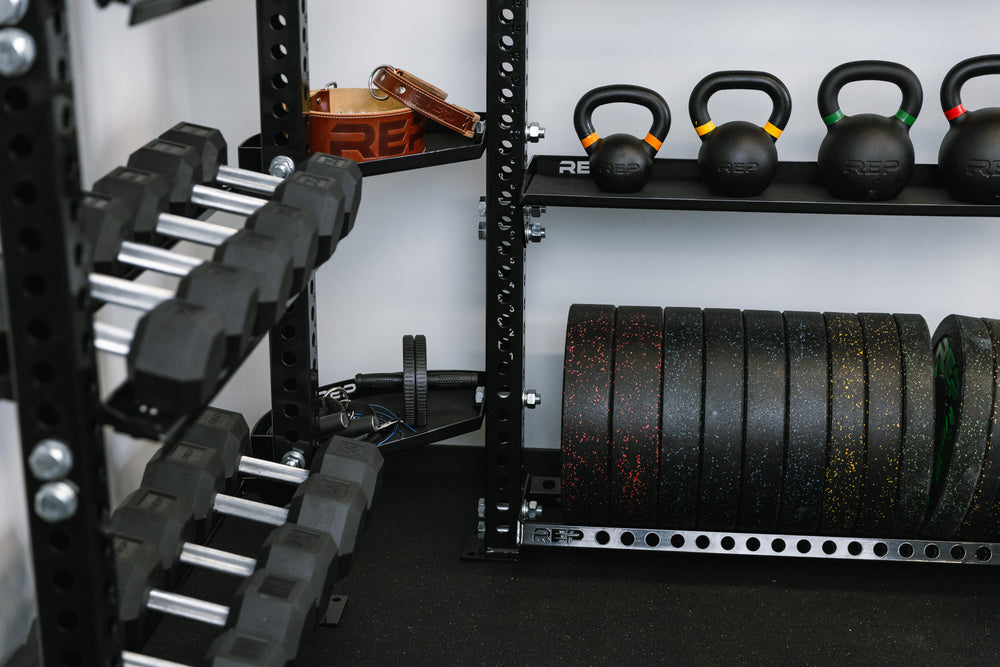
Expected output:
{"points": [[155, 502], [188, 455]]}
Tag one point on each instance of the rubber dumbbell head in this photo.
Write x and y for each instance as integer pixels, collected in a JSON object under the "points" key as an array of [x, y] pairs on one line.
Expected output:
{"points": [[237, 649], [175, 505], [211, 146], [174, 357], [232, 295], [294, 226], [182, 167], [289, 550], [268, 258], [350, 460]]}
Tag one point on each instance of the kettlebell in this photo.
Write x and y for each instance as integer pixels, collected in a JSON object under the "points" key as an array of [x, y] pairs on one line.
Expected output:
{"points": [[867, 157], [621, 163], [969, 159], [738, 159]]}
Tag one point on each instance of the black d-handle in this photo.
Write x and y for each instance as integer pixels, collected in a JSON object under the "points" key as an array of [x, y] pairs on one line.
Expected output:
{"points": [[870, 70], [951, 87], [740, 80], [644, 97]]}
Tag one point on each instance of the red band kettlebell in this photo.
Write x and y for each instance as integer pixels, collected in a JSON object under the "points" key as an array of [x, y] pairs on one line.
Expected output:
{"points": [[969, 159]]}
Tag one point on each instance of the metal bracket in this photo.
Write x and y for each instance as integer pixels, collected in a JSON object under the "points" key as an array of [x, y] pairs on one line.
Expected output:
{"points": [[334, 610]]}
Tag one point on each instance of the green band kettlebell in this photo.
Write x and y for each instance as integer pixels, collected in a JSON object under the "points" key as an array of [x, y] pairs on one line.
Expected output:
{"points": [[621, 163], [738, 159], [969, 159], [867, 157]]}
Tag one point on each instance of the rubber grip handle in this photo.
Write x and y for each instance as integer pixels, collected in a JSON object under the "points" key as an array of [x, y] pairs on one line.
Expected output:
{"points": [[387, 383], [781, 99], [360, 426], [951, 86], [644, 97], [335, 422], [869, 70]]}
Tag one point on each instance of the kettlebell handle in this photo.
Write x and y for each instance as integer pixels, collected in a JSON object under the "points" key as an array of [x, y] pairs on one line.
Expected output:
{"points": [[740, 80], [602, 95], [951, 87], [870, 70]]}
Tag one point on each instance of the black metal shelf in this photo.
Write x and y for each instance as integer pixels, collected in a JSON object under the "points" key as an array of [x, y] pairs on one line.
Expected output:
{"points": [[450, 412], [443, 146], [147, 10], [676, 185]]}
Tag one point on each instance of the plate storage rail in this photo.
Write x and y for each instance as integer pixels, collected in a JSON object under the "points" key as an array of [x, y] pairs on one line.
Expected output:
{"points": [[515, 190]]}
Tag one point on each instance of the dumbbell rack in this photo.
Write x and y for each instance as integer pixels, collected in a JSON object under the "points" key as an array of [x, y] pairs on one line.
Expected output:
{"points": [[47, 315], [515, 193]]}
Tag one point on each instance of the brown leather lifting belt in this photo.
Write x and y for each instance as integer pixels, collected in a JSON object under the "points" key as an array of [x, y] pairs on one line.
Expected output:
{"points": [[425, 98], [349, 122]]}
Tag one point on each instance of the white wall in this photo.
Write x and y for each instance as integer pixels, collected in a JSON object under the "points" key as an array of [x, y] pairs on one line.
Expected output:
{"points": [[414, 264]]}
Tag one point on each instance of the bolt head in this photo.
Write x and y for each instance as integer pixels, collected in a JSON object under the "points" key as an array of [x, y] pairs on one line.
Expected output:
{"points": [[281, 166], [17, 52], [12, 11], [532, 398], [534, 132], [56, 501], [294, 459], [50, 459]]}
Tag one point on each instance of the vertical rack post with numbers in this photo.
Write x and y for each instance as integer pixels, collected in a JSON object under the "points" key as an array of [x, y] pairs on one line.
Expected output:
{"points": [[53, 362], [506, 98], [283, 67]]}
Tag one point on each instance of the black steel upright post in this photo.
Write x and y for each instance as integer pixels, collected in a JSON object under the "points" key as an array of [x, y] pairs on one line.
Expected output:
{"points": [[53, 364], [506, 96], [282, 46]]}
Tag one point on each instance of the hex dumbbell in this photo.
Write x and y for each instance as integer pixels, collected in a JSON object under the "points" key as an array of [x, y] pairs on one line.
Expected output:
{"points": [[181, 166], [227, 432], [174, 356], [289, 551], [192, 475], [211, 145], [270, 607], [207, 285], [267, 257], [150, 194]]}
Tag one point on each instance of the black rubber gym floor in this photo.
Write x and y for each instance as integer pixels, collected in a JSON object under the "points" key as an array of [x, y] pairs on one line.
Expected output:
{"points": [[412, 600]]}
